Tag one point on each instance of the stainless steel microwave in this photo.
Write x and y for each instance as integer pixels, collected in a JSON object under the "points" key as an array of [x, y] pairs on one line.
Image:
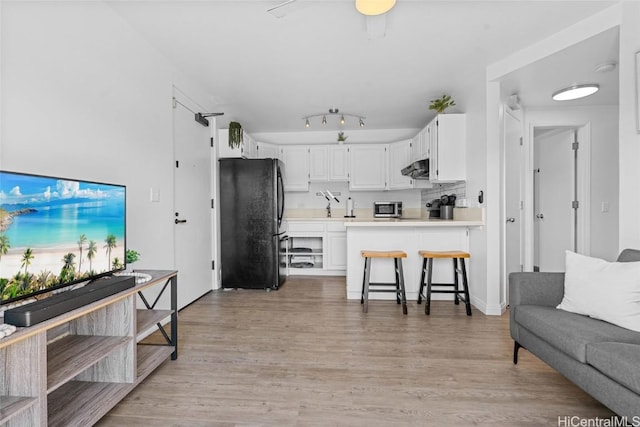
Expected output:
{"points": [[387, 209]]}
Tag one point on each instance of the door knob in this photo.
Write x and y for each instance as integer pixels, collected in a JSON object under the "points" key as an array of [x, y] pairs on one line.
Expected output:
{"points": [[540, 216], [180, 221], [511, 219]]}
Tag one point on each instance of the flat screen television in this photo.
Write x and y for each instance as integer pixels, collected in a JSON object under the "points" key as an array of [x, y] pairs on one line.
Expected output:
{"points": [[57, 232]]}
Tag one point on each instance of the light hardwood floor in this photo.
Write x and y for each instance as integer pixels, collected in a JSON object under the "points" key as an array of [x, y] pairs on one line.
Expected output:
{"points": [[305, 356]]}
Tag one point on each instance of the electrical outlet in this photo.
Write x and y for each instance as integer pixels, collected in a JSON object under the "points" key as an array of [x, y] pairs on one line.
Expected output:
{"points": [[605, 207]]}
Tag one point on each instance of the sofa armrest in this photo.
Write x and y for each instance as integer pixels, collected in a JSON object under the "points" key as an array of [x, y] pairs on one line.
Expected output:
{"points": [[536, 289], [528, 288]]}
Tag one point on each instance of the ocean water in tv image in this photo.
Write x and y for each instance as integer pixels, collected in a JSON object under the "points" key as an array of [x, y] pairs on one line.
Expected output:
{"points": [[56, 231]]}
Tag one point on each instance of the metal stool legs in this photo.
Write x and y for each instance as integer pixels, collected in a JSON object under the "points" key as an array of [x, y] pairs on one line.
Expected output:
{"points": [[459, 294], [398, 285]]}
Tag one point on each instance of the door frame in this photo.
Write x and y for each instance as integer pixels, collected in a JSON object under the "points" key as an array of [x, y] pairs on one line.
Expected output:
{"points": [[584, 186], [504, 281]]}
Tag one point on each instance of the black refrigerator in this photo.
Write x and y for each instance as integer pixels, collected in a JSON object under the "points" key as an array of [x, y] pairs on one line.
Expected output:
{"points": [[251, 211]]}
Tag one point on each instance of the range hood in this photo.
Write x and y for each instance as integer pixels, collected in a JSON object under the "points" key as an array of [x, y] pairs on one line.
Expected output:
{"points": [[417, 170]]}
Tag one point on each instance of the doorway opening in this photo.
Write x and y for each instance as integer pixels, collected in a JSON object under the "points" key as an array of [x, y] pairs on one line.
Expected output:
{"points": [[559, 218]]}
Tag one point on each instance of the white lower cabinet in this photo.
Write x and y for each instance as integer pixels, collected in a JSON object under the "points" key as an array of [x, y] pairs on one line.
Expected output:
{"points": [[316, 248], [336, 251]]}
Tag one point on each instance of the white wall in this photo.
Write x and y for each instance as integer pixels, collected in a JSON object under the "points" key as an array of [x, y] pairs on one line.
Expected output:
{"points": [[629, 142], [604, 175], [84, 96]]}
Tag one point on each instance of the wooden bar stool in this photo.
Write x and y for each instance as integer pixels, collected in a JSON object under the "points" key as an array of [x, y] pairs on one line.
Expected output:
{"points": [[427, 270], [398, 285]]}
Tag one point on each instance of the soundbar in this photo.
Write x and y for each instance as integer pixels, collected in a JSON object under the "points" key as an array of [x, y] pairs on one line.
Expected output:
{"points": [[55, 305]]}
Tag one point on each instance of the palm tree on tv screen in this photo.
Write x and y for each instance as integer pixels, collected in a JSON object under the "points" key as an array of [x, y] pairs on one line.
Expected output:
{"points": [[110, 244], [4, 245], [68, 268], [27, 256], [91, 253], [81, 241]]}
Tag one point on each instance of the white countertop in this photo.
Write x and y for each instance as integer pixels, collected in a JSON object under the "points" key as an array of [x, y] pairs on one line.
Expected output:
{"points": [[393, 222]]}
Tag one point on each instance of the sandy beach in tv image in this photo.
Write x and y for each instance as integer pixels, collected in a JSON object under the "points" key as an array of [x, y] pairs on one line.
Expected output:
{"points": [[54, 231]]}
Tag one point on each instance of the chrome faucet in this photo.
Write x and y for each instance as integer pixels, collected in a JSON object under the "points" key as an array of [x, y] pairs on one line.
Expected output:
{"points": [[329, 210]]}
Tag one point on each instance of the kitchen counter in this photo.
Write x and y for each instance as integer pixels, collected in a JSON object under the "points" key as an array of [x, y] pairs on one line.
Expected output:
{"points": [[410, 236]]}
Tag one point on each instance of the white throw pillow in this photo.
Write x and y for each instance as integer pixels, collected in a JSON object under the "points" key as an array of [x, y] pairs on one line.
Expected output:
{"points": [[608, 291]]}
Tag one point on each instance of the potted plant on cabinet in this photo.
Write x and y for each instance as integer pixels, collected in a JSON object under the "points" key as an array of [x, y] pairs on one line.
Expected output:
{"points": [[441, 104], [235, 134]]}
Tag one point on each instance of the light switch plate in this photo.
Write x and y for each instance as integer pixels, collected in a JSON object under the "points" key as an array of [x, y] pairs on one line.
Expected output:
{"points": [[154, 194]]}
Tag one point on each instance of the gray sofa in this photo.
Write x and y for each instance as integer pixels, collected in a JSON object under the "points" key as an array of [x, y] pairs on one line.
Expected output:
{"points": [[599, 357]]}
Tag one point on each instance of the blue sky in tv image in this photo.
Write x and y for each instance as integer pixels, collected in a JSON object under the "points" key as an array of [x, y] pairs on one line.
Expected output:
{"points": [[55, 231]]}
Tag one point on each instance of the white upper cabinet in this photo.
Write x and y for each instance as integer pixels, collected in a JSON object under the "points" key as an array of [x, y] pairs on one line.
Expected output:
{"points": [[338, 163], [318, 163], [368, 167], [296, 167], [247, 150], [328, 163], [420, 146], [249, 147], [447, 145], [399, 157], [267, 151]]}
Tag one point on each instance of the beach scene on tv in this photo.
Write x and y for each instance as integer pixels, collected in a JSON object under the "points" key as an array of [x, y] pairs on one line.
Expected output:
{"points": [[56, 231]]}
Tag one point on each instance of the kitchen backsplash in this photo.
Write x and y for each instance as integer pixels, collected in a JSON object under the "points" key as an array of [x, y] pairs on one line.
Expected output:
{"points": [[361, 199]]}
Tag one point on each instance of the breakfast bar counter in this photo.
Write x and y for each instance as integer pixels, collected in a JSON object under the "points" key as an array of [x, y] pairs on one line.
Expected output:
{"points": [[410, 236]]}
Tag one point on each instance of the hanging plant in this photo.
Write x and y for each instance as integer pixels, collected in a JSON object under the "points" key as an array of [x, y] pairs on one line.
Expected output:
{"points": [[235, 134], [441, 104], [342, 137]]}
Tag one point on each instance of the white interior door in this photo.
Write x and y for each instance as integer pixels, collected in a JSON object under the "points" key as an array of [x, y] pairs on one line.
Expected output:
{"points": [[193, 212], [554, 228], [512, 209]]}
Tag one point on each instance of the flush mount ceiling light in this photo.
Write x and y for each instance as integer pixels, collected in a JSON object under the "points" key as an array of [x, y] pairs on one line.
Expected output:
{"points": [[334, 112], [374, 7], [575, 92]]}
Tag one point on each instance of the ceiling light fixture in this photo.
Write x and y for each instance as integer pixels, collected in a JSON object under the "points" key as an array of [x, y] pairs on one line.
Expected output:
{"points": [[334, 112], [374, 7], [575, 92]]}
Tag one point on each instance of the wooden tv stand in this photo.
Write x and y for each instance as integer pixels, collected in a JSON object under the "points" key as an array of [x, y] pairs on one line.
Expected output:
{"points": [[72, 369]]}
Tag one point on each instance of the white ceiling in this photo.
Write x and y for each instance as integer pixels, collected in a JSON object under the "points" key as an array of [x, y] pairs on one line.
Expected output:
{"points": [[269, 72]]}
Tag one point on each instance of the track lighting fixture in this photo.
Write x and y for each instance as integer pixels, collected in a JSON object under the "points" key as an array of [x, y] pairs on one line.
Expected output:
{"points": [[334, 112]]}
